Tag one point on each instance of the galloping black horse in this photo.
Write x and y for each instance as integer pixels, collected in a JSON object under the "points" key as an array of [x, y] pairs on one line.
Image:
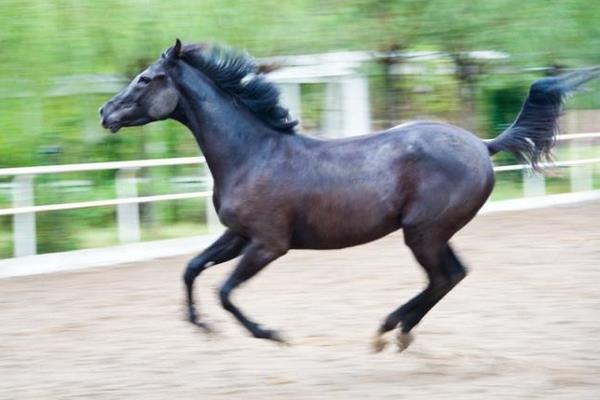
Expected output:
{"points": [[276, 190]]}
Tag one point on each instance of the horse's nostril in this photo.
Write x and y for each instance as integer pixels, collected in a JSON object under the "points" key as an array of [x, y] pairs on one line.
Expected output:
{"points": [[101, 110]]}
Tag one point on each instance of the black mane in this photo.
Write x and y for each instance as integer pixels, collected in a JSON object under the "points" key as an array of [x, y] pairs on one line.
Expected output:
{"points": [[237, 74]]}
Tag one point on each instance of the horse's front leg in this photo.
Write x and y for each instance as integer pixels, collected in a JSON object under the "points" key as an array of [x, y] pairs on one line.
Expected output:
{"points": [[227, 247], [256, 257]]}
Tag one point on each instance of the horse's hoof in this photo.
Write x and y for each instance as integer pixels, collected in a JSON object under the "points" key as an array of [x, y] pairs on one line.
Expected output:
{"points": [[277, 337], [404, 340], [208, 329], [379, 343], [271, 334], [194, 320]]}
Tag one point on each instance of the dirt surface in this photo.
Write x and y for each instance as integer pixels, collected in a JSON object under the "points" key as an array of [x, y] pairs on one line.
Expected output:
{"points": [[525, 324]]}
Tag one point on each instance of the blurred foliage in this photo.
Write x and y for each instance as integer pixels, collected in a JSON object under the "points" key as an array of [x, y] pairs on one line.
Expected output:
{"points": [[42, 42]]}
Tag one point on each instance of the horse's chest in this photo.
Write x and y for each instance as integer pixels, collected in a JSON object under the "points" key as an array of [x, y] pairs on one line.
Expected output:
{"points": [[249, 209]]}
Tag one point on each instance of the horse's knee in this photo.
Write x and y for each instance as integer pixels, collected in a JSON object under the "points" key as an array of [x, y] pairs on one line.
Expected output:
{"points": [[442, 284], [455, 270], [458, 276], [224, 292], [439, 287], [192, 270], [188, 276]]}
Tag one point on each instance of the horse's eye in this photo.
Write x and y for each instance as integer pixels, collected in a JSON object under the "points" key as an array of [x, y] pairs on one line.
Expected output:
{"points": [[144, 80]]}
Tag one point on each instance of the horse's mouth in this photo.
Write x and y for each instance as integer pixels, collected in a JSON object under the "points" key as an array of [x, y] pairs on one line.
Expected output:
{"points": [[114, 127]]}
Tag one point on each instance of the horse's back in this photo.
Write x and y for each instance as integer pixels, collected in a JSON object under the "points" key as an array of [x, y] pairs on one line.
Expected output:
{"points": [[358, 189]]}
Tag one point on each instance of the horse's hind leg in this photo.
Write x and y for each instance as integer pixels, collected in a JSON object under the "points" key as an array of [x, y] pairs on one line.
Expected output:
{"points": [[444, 271], [227, 247]]}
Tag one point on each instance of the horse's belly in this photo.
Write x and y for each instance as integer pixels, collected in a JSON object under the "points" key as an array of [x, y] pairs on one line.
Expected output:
{"points": [[338, 229]]}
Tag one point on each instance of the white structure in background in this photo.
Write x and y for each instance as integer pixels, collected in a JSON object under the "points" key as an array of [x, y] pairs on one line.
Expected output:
{"points": [[582, 177], [128, 214], [346, 102], [346, 110], [24, 209], [24, 232]]}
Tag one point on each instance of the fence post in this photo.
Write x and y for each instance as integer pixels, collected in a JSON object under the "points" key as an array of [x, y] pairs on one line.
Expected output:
{"points": [[292, 99], [346, 110], [581, 175], [355, 105], [534, 184], [213, 224], [24, 234], [331, 117], [128, 215]]}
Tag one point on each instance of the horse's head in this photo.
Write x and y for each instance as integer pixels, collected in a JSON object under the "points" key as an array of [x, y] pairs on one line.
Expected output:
{"points": [[150, 96]]}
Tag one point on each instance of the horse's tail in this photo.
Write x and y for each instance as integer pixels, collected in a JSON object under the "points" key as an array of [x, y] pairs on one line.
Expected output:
{"points": [[533, 134]]}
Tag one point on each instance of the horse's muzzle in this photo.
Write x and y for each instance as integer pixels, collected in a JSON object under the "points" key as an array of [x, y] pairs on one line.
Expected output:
{"points": [[106, 121]]}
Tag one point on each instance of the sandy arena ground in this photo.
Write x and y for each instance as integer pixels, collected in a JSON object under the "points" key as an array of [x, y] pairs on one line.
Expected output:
{"points": [[525, 324]]}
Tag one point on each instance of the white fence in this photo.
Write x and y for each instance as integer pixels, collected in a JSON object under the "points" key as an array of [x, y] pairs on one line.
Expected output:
{"points": [[24, 209]]}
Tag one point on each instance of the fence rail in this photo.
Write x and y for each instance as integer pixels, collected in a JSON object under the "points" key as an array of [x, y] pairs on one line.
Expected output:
{"points": [[557, 164], [24, 209], [103, 203], [100, 166], [127, 202]]}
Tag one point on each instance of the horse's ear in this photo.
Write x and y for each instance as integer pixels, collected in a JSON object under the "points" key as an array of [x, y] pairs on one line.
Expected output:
{"points": [[177, 48]]}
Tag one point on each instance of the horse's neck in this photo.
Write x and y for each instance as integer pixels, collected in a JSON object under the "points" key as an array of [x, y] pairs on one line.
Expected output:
{"points": [[227, 138]]}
